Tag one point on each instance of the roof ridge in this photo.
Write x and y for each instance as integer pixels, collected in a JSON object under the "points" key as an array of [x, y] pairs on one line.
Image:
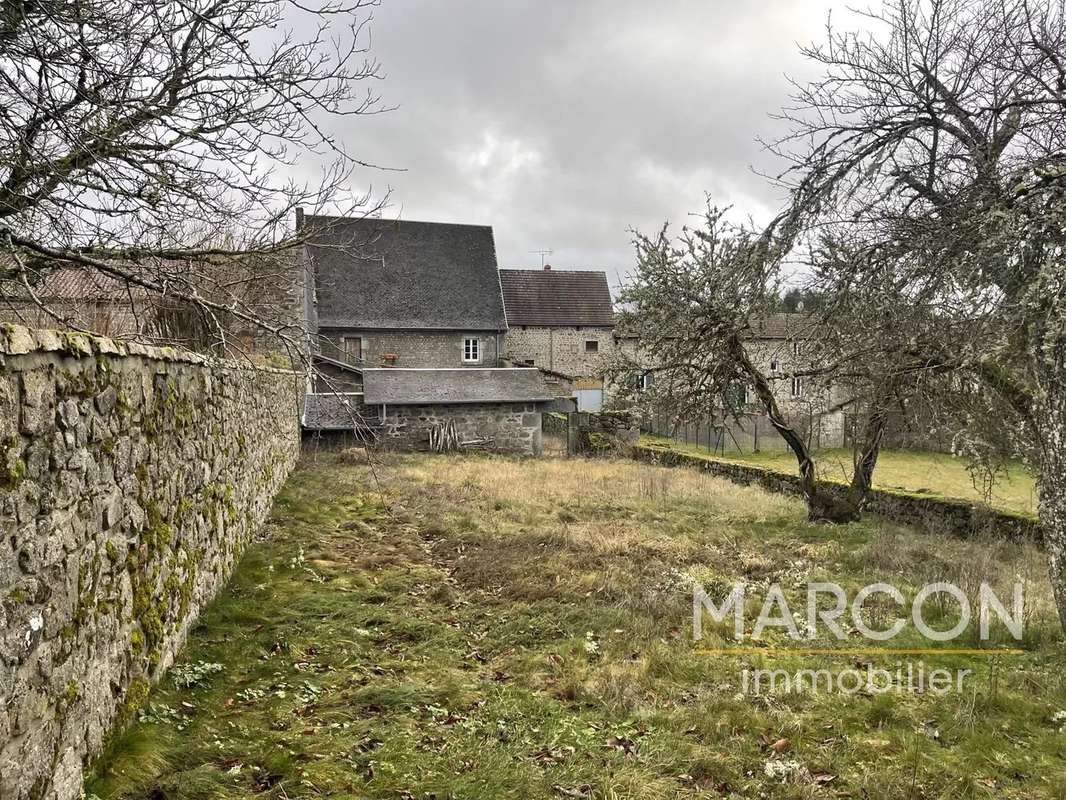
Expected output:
{"points": [[555, 271], [399, 221]]}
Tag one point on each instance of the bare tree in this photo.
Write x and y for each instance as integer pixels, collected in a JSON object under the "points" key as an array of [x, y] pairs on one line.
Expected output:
{"points": [[696, 304], [936, 143], [147, 140]]}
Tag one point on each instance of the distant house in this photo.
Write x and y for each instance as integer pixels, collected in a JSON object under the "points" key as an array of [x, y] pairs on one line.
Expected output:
{"points": [[270, 287], [561, 321], [79, 298], [393, 293], [408, 322], [780, 345]]}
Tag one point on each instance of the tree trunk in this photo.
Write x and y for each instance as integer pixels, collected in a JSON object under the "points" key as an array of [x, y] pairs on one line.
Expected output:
{"points": [[873, 434], [1052, 485], [821, 506]]}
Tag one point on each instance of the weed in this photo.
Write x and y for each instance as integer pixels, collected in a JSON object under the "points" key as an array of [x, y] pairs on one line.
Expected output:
{"points": [[514, 628]]}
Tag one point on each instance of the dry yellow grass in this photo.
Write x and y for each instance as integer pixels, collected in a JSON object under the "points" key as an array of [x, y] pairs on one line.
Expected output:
{"points": [[552, 482], [473, 626]]}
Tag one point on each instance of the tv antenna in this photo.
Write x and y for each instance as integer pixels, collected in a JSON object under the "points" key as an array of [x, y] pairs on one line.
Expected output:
{"points": [[542, 254]]}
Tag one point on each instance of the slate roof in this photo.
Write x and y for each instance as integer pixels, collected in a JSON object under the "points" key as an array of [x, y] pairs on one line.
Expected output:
{"points": [[333, 412], [545, 298], [418, 386], [785, 326], [377, 273]]}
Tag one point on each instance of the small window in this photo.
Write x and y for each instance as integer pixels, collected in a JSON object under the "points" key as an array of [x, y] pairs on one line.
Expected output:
{"points": [[773, 365], [352, 347], [592, 346], [471, 351], [795, 348], [797, 387]]}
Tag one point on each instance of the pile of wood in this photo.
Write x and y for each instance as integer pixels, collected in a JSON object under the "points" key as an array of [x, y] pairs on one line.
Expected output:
{"points": [[444, 438]]}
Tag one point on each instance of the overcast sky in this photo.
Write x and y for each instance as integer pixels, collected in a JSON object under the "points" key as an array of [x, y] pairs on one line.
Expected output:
{"points": [[563, 124]]}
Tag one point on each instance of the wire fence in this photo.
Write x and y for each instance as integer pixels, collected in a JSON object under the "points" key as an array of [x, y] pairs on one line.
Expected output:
{"points": [[750, 433]]}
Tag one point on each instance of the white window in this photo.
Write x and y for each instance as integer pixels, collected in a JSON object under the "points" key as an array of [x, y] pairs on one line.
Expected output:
{"points": [[642, 381], [773, 366], [795, 348], [797, 387], [471, 351]]}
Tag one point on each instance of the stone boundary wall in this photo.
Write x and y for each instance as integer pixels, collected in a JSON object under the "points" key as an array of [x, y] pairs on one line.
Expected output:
{"points": [[603, 432], [131, 479], [513, 428], [930, 514]]}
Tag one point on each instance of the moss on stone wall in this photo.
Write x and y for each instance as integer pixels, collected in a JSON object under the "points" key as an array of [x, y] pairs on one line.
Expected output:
{"points": [[149, 472]]}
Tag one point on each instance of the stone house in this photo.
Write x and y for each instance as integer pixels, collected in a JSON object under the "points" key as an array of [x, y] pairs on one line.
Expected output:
{"points": [[82, 298], [562, 322], [271, 287], [407, 320], [391, 293], [780, 344]]}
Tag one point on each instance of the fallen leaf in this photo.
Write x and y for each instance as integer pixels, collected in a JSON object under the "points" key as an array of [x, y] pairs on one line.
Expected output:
{"points": [[552, 755], [622, 745], [585, 790]]}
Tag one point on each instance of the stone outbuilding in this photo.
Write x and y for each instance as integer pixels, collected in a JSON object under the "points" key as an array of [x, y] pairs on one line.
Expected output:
{"points": [[562, 322], [497, 409]]}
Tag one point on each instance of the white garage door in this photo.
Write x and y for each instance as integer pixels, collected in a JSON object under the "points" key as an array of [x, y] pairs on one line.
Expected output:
{"points": [[589, 399]]}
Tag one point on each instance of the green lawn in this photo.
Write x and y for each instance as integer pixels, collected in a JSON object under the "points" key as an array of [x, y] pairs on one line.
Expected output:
{"points": [[925, 473], [475, 627]]}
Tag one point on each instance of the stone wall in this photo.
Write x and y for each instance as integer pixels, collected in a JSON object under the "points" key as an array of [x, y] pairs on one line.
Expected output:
{"points": [[562, 349], [603, 433], [512, 427], [418, 349], [929, 513], [131, 479]]}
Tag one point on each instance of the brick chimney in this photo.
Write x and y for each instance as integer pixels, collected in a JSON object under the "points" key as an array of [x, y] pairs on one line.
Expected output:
{"points": [[547, 267], [299, 218]]}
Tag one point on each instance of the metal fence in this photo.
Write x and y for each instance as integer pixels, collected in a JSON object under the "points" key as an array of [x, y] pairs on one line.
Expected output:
{"points": [[751, 433]]}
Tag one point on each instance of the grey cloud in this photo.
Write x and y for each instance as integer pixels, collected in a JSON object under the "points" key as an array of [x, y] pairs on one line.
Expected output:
{"points": [[563, 124]]}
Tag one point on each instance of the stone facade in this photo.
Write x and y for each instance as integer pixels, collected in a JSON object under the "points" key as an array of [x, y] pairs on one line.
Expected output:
{"points": [[809, 406], [103, 317], [275, 289], [131, 479], [562, 349], [412, 348], [512, 427]]}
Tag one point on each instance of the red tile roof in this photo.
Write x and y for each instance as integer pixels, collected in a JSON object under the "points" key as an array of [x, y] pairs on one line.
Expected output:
{"points": [[69, 284], [546, 298]]}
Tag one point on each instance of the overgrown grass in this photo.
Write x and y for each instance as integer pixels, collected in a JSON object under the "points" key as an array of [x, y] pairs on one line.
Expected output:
{"points": [[475, 627], [1010, 489]]}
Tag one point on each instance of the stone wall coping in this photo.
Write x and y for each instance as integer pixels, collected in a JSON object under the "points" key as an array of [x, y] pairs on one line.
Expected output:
{"points": [[17, 340], [897, 505]]}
